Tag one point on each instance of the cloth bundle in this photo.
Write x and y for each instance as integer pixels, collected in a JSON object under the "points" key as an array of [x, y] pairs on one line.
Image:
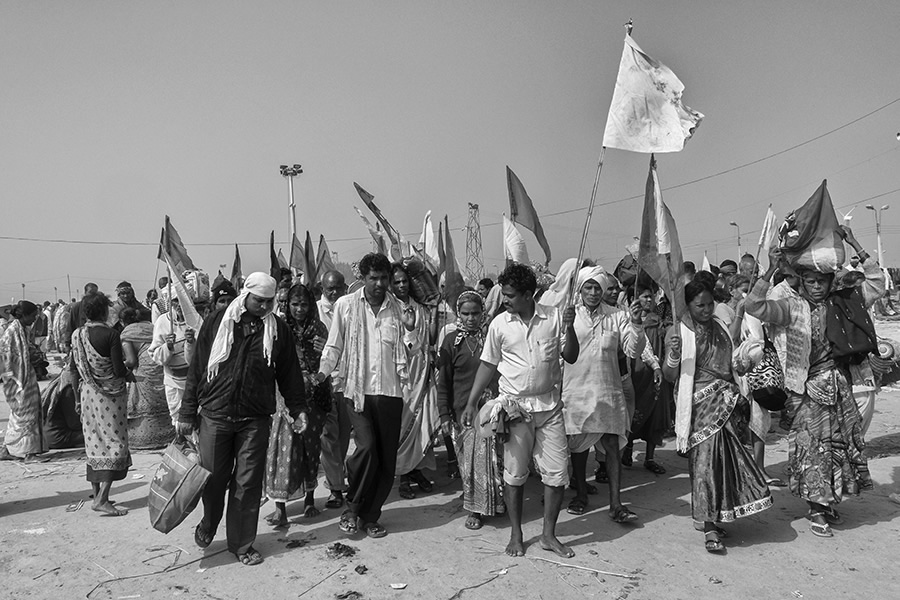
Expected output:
{"points": [[810, 236]]}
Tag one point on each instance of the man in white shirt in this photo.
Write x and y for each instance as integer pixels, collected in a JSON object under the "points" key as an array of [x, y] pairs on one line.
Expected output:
{"points": [[367, 342], [336, 431], [524, 345]]}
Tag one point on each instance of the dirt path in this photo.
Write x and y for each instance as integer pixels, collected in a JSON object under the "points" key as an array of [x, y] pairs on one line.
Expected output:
{"points": [[51, 553]]}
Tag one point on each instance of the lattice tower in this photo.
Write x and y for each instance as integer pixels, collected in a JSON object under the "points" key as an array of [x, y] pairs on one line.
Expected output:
{"points": [[474, 260]]}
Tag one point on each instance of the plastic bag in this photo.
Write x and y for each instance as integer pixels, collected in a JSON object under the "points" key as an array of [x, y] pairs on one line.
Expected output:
{"points": [[177, 486]]}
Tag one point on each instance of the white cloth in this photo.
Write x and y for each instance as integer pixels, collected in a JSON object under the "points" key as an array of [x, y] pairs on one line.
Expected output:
{"points": [[221, 346], [174, 362], [684, 395], [555, 296], [527, 355]]}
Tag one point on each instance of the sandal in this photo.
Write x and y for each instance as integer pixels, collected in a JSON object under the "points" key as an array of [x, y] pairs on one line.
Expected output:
{"points": [[577, 507], [591, 490], [310, 511], [348, 523], [419, 479], [622, 515], [202, 537], [600, 475], [250, 558], [775, 482], [406, 491], [832, 516], [654, 467], [819, 529], [474, 522], [699, 526], [335, 500], [713, 543], [627, 457], [374, 530]]}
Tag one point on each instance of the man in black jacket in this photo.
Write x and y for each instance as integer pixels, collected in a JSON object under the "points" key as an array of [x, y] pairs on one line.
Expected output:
{"points": [[240, 354]]}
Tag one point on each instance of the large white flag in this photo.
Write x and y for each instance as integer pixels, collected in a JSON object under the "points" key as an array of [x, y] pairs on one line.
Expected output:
{"points": [[646, 113], [769, 230], [513, 243], [427, 241]]}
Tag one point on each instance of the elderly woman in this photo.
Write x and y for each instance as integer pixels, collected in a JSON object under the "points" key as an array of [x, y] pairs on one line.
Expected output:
{"points": [[97, 352], [480, 460], [711, 419], [595, 406], [825, 445], [149, 423], [24, 432]]}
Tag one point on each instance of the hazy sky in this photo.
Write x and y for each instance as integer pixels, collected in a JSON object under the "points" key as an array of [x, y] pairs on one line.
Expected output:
{"points": [[117, 113]]}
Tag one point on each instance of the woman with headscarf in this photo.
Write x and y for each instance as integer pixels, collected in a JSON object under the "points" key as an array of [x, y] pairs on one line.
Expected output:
{"points": [[149, 422], [24, 431], [292, 460], [595, 407], [97, 353], [711, 419], [825, 444], [480, 460]]}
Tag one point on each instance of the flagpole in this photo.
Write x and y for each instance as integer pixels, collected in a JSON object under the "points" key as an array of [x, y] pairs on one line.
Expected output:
{"points": [[587, 226], [756, 269]]}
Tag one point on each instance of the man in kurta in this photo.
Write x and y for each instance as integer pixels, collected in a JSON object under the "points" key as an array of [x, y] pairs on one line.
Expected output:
{"points": [[367, 342], [524, 345], [240, 355]]}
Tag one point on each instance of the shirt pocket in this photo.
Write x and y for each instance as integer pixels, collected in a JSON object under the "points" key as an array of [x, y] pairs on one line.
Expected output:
{"points": [[547, 349], [389, 333]]}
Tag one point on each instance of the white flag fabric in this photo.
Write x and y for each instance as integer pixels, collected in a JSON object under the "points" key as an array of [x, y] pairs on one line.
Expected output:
{"points": [[427, 241], [646, 113], [513, 243], [191, 317], [769, 230], [706, 266]]}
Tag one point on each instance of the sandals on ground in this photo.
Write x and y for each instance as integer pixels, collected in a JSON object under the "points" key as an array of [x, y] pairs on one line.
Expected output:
{"points": [[600, 475], [775, 482], [348, 524], [654, 467], [250, 558], [832, 516], [700, 525], [622, 515], [474, 522], [202, 537], [577, 507], [713, 543], [419, 479], [374, 530], [406, 491], [335, 500], [819, 529]]}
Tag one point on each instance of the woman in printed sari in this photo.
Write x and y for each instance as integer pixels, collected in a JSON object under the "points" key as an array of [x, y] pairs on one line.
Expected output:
{"points": [[149, 423], [292, 460], [711, 419], [596, 410], [97, 353], [24, 432], [480, 460], [825, 444]]}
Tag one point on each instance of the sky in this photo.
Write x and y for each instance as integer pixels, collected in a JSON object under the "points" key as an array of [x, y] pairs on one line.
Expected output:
{"points": [[115, 114]]}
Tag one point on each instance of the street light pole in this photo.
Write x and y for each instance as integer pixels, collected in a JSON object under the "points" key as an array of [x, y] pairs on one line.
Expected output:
{"points": [[289, 172], [878, 212], [23, 291], [733, 224]]}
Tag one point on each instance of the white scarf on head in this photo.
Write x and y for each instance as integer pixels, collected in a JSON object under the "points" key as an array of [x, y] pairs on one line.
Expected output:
{"points": [[221, 347]]}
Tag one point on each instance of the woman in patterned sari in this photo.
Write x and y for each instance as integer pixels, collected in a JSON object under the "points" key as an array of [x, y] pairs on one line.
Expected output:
{"points": [[825, 444], [711, 419], [97, 352], [149, 423], [24, 432], [480, 460], [292, 460]]}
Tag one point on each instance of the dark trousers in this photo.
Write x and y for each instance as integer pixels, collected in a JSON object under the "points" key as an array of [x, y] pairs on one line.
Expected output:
{"points": [[235, 453], [372, 466]]}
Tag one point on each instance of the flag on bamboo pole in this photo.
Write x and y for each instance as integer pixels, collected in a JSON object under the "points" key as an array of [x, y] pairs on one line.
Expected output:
{"points": [[706, 266], [309, 262], [513, 243], [324, 262], [646, 113], [769, 232], [282, 261], [453, 279], [236, 274], [427, 240], [522, 212], [393, 236], [274, 263], [660, 253], [191, 316], [170, 243], [377, 236], [297, 255], [442, 253]]}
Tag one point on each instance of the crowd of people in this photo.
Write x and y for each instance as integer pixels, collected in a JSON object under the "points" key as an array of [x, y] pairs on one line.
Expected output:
{"points": [[519, 378]]}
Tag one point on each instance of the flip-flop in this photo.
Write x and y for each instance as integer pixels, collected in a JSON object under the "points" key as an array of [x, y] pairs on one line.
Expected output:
{"points": [[406, 491], [713, 544], [250, 558], [600, 475], [654, 467], [348, 524], [775, 482], [202, 537], [374, 530], [577, 507], [474, 522], [819, 529], [335, 500]]}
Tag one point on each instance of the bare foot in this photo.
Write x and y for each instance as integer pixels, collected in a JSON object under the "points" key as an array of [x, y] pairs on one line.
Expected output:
{"points": [[310, 510], [277, 519], [515, 547], [554, 545], [108, 509]]}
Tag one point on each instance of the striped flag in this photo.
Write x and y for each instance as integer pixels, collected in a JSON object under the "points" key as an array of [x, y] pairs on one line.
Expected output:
{"points": [[522, 212]]}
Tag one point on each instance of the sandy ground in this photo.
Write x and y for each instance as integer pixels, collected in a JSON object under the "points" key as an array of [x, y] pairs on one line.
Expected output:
{"points": [[48, 552]]}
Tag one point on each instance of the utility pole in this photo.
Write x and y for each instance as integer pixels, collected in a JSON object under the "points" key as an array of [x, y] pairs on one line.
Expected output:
{"points": [[733, 224], [878, 212], [23, 291], [69, 283], [289, 172], [474, 260]]}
